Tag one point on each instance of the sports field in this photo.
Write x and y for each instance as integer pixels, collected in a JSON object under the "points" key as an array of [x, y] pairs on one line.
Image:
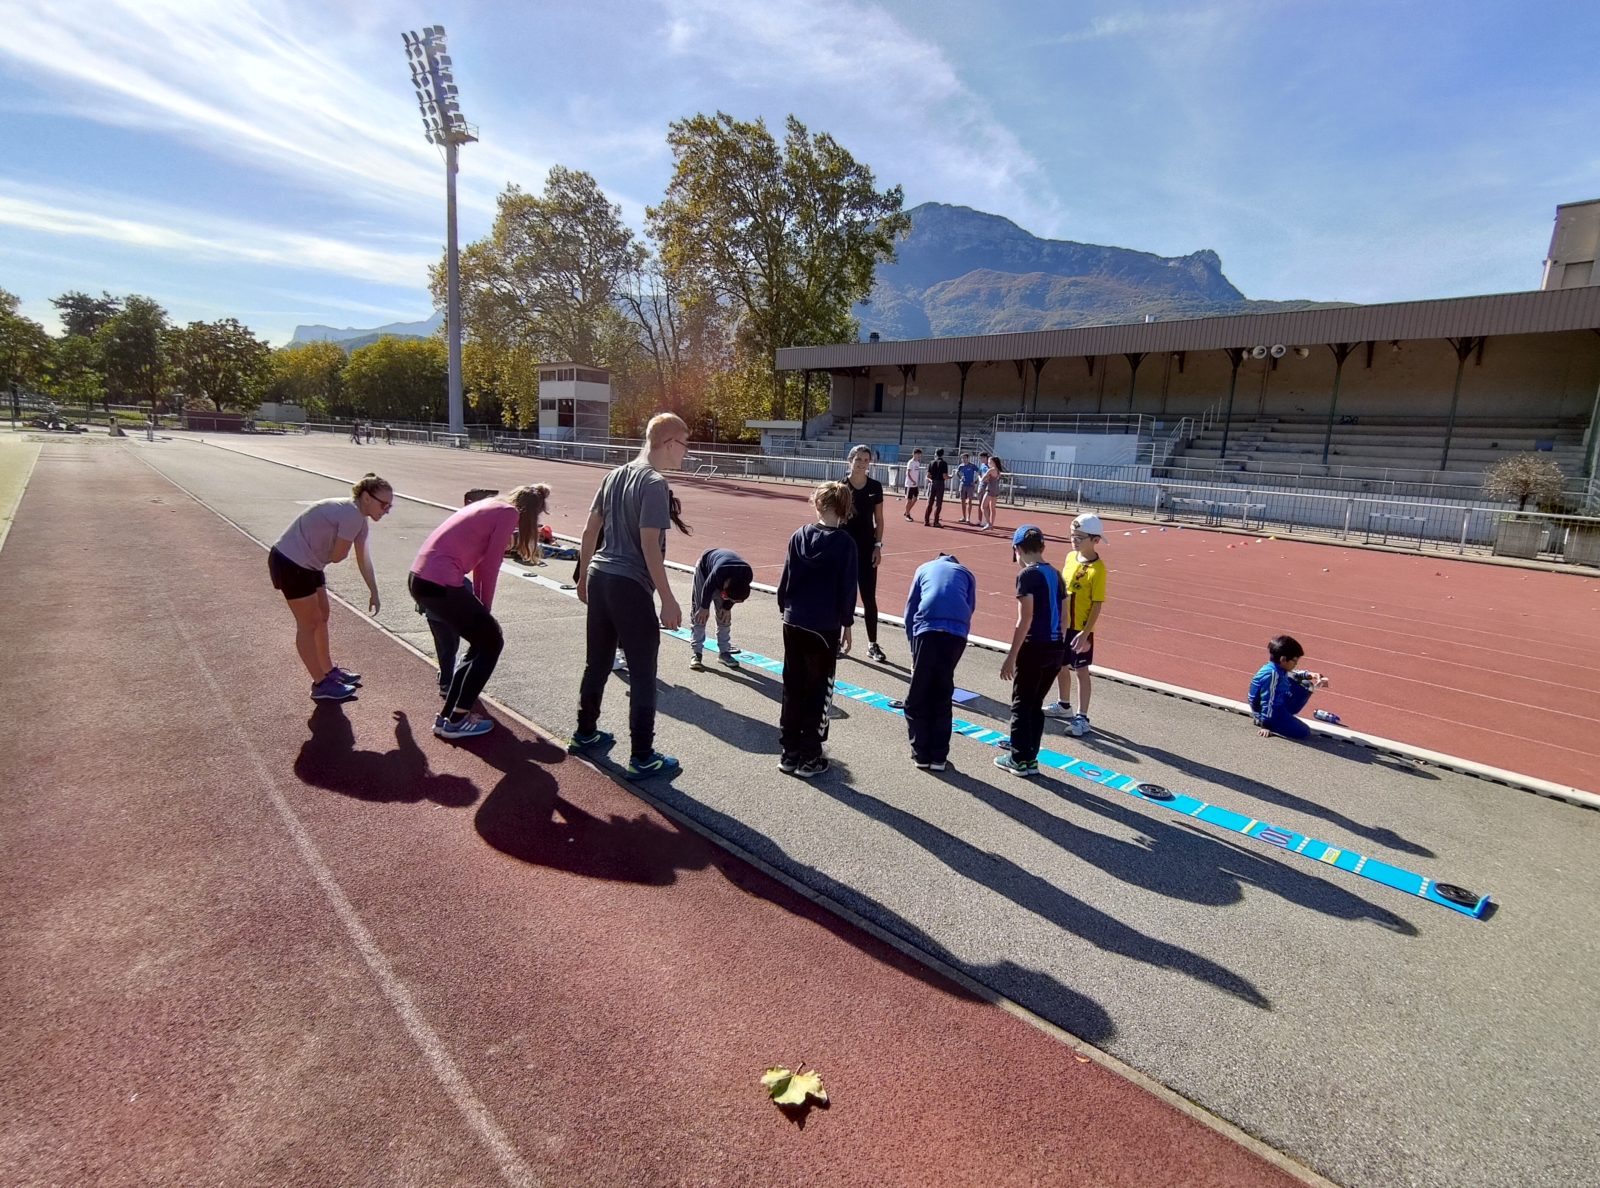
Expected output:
{"points": [[260, 941]]}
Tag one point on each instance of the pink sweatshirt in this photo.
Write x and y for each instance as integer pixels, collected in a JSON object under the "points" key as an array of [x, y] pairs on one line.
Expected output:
{"points": [[474, 539]]}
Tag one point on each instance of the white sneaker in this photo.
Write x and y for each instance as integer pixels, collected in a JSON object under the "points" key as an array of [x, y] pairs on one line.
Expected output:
{"points": [[1060, 710], [1079, 725], [618, 663]]}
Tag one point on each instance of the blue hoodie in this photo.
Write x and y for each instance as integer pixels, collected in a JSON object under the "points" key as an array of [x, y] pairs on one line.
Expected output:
{"points": [[1274, 692], [942, 597]]}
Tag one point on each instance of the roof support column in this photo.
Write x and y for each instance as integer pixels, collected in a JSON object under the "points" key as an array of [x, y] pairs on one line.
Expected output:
{"points": [[961, 402], [1341, 352], [1022, 378], [1134, 358], [805, 402], [1463, 348], [1235, 357], [1038, 366], [907, 370]]}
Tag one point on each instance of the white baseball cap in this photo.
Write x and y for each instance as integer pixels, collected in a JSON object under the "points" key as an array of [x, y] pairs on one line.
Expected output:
{"points": [[1088, 524]]}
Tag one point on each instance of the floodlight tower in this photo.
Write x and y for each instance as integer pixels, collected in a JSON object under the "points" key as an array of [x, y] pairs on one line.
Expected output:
{"points": [[443, 125]]}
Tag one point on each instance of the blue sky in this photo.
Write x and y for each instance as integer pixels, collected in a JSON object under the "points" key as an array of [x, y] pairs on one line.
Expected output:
{"points": [[264, 158]]}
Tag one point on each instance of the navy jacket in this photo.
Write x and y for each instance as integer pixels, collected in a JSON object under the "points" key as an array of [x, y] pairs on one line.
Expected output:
{"points": [[1275, 693], [818, 587]]}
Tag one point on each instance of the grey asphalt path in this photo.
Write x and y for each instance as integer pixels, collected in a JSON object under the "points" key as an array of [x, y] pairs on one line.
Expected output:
{"points": [[1374, 1036]]}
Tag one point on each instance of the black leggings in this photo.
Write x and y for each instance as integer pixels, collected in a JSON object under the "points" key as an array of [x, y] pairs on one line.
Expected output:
{"points": [[458, 608], [867, 579], [621, 613], [809, 661]]}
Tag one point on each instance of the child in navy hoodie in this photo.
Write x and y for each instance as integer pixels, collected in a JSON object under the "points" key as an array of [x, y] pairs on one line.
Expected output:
{"points": [[1278, 692], [817, 597]]}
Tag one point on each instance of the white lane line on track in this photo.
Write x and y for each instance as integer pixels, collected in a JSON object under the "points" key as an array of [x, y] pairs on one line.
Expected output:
{"points": [[513, 1169]]}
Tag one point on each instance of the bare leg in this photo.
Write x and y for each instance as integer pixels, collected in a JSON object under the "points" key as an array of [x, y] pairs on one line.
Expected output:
{"points": [[311, 633]]}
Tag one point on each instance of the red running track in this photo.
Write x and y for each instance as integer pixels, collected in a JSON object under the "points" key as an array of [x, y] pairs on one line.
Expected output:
{"points": [[250, 941], [1491, 663]]}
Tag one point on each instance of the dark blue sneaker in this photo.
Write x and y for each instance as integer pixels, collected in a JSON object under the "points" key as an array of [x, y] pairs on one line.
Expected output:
{"points": [[468, 727], [344, 675], [328, 689], [656, 765], [590, 741]]}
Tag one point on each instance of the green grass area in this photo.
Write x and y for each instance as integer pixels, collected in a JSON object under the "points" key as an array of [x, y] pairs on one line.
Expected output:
{"points": [[17, 456]]}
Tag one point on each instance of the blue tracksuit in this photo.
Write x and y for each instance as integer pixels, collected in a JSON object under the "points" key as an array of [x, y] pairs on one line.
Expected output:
{"points": [[1275, 698]]}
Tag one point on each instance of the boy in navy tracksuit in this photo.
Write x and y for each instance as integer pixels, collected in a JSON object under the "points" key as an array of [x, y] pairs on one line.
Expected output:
{"points": [[721, 579], [1038, 649], [939, 610], [1278, 692], [817, 597]]}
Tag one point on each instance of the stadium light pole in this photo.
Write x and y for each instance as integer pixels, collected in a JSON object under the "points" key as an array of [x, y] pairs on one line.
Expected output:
{"points": [[443, 125]]}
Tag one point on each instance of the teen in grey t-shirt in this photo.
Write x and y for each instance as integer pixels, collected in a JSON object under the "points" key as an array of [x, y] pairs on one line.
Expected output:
{"points": [[632, 497]]}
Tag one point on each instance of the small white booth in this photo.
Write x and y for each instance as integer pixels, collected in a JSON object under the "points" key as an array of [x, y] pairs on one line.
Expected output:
{"points": [[574, 402]]}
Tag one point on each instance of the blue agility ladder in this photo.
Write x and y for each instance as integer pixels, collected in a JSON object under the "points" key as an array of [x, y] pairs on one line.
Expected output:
{"points": [[1448, 895]]}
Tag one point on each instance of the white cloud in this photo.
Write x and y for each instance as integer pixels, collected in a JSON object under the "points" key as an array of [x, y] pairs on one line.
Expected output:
{"points": [[896, 96], [253, 83], [169, 231]]}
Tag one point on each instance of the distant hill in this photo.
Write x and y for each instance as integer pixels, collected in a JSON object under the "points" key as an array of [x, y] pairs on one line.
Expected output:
{"points": [[351, 338], [961, 271]]}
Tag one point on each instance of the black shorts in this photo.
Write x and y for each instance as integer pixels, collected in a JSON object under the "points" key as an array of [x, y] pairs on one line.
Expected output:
{"points": [[295, 581], [1077, 660], [911, 489]]}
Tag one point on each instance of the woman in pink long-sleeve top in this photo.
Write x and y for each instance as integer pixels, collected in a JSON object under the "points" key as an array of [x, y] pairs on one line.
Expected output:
{"points": [[472, 542]]}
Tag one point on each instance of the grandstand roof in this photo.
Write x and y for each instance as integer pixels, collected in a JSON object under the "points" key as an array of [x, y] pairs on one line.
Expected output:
{"points": [[1538, 311]]}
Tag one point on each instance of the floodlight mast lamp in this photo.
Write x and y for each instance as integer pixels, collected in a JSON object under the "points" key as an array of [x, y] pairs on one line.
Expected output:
{"points": [[443, 125]]}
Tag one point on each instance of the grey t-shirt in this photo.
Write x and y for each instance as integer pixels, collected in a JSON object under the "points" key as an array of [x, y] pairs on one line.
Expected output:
{"points": [[631, 497], [309, 541]]}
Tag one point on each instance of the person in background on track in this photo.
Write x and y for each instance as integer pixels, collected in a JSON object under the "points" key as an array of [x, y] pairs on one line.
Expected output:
{"points": [[621, 563], [1280, 689], [817, 598], [938, 476], [913, 481], [721, 579], [864, 525], [939, 608], [473, 540], [989, 491], [1038, 648], [1085, 574], [320, 536], [967, 481]]}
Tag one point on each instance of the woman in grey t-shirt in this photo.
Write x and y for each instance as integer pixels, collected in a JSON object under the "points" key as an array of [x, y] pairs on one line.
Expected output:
{"points": [[320, 536]]}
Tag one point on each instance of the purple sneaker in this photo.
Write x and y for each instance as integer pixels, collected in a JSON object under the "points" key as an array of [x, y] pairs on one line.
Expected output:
{"points": [[328, 689]]}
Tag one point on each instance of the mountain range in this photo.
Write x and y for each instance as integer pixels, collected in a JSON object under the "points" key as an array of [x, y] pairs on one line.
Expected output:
{"points": [[961, 271]]}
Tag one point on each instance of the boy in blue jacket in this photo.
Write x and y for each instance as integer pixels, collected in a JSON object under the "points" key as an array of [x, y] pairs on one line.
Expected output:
{"points": [[817, 597], [1278, 691], [721, 579], [939, 610]]}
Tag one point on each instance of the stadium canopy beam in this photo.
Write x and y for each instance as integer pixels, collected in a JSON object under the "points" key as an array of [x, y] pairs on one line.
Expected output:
{"points": [[1134, 358], [907, 370], [1038, 367], [1464, 347], [961, 402], [1022, 378], [1235, 357], [1341, 352]]}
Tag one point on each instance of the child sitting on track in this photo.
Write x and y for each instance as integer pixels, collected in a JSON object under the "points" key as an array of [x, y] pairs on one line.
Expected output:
{"points": [[721, 578], [1278, 691]]}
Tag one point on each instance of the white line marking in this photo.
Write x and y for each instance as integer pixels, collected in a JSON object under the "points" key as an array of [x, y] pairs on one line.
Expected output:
{"points": [[512, 1167]]}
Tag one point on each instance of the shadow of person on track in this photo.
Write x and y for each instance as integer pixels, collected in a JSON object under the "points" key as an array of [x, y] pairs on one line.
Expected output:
{"points": [[1045, 900], [1235, 782], [527, 816], [329, 760], [1034, 989], [1177, 860]]}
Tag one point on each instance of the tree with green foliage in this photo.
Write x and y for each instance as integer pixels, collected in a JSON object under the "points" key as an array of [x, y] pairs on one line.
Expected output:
{"points": [[503, 378], [24, 344], [75, 376], [787, 237], [82, 315], [133, 352], [308, 374], [222, 362], [399, 378], [546, 276]]}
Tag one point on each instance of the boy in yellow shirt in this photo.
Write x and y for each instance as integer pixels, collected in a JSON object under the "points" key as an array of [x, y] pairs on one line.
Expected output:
{"points": [[1084, 575]]}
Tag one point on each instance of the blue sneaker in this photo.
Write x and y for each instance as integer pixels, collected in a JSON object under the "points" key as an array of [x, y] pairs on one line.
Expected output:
{"points": [[468, 727], [344, 675], [656, 765], [588, 742], [328, 689]]}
